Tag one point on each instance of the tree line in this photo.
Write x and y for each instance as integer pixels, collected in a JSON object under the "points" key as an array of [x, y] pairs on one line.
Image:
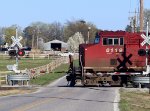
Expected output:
{"points": [[46, 32], [40, 31]]}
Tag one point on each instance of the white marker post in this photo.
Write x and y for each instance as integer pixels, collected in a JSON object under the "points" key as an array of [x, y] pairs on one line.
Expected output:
{"points": [[147, 56], [146, 42]]}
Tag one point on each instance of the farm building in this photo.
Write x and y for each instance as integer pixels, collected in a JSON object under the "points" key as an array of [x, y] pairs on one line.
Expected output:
{"points": [[55, 45]]}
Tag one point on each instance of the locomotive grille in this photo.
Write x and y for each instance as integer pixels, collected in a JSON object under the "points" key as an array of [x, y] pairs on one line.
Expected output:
{"points": [[113, 61]]}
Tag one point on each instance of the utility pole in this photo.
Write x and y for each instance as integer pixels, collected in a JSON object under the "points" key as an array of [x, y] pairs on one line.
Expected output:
{"points": [[17, 48], [141, 16], [88, 41]]}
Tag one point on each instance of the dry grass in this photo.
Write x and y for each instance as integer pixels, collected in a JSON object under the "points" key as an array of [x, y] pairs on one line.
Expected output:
{"points": [[13, 91], [134, 100]]}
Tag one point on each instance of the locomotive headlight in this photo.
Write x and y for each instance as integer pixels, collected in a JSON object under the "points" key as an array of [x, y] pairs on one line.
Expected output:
{"points": [[141, 52]]}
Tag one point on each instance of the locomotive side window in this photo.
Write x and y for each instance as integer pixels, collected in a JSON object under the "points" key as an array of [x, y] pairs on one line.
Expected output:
{"points": [[121, 41], [110, 41], [96, 40], [116, 41], [113, 41], [104, 41]]}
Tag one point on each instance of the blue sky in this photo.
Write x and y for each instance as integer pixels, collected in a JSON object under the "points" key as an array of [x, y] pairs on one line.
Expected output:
{"points": [[105, 14]]}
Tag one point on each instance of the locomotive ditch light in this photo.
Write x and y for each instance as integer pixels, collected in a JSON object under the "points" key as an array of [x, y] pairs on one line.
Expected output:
{"points": [[21, 52], [12, 53], [141, 52]]}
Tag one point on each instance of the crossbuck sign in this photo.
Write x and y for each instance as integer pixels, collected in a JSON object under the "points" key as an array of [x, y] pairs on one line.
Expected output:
{"points": [[16, 41], [146, 40]]}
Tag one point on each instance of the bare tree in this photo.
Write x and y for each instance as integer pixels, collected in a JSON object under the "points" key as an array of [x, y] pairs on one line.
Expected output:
{"points": [[82, 26], [57, 31]]}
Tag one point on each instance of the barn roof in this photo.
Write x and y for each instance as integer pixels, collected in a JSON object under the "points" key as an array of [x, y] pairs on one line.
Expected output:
{"points": [[47, 45], [56, 41]]}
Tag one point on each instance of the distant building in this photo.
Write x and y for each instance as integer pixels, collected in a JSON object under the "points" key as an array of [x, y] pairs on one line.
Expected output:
{"points": [[55, 45]]}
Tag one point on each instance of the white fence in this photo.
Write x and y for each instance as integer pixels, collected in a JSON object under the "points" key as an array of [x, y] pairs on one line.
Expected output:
{"points": [[35, 72], [33, 56]]}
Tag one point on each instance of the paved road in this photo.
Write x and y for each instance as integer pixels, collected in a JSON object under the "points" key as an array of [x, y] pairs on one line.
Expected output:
{"points": [[58, 97]]}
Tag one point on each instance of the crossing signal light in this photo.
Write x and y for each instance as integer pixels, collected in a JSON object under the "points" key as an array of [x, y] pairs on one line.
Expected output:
{"points": [[21, 52], [12, 52]]}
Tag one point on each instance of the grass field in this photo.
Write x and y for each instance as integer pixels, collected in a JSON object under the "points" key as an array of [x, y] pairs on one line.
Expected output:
{"points": [[48, 78], [134, 100], [57, 73], [23, 63]]}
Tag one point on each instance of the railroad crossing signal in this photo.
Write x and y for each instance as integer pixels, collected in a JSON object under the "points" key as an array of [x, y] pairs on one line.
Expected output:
{"points": [[14, 52], [146, 40], [21, 52], [16, 41]]}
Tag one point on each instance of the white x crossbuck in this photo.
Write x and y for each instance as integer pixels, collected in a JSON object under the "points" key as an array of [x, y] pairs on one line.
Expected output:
{"points": [[146, 40], [16, 41]]}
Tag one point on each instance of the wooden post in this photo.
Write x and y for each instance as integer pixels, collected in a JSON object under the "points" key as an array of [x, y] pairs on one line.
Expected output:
{"points": [[33, 56], [6, 79], [48, 68], [0, 80], [48, 56]]}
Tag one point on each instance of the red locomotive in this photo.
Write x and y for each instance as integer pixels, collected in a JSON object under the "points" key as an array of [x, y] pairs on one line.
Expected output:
{"points": [[113, 58]]}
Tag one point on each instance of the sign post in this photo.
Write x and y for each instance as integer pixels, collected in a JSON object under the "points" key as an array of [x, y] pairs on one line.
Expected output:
{"points": [[146, 56], [16, 44], [146, 42]]}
